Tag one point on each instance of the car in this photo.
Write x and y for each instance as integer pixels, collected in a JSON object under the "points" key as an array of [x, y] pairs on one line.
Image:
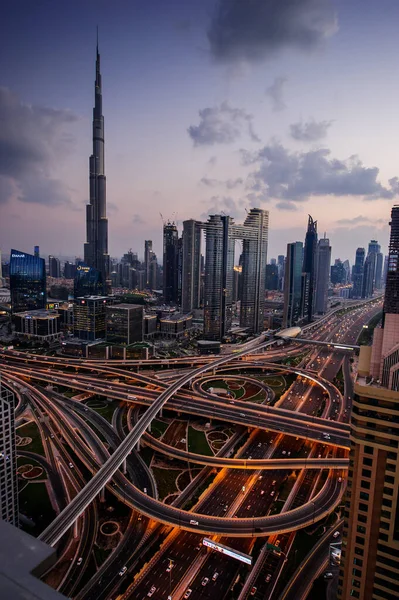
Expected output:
{"points": [[145, 490], [284, 452], [242, 415], [152, 591], [79, 561], [123, 571], [274, 482], [198, 547], [339, 479], [336, 534], [139, 517], [205, 581], [248, 507], [262, 492], [188, 593], [260, 444], [268, 577], [288, 453], [215, 576], [193, 522], [328, 575], [253, 591], [170, 567], [277, 543], [70, 465], [272, 493]]}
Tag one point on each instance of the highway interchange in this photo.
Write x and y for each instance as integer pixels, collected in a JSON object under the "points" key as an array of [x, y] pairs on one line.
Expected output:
{"points": [[274, 431]]}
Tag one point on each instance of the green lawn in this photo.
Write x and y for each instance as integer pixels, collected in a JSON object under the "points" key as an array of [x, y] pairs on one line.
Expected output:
{"points": [[158, 428], [22, 460], [166, 481], [31, 430], [197, 442]]}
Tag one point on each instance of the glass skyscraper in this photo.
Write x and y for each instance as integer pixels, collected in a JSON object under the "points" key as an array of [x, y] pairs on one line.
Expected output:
{"points": [[27, 281], [88, 281]]}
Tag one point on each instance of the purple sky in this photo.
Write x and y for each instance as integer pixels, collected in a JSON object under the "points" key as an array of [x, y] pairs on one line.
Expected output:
{"points": [[209, 105]]}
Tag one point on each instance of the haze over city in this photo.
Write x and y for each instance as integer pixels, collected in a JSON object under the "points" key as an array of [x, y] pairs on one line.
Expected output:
{"points": [[198, 121]]}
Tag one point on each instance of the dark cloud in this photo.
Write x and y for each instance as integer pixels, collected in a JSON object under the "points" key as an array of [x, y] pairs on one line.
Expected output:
{"points": [[138, 220], [222, 125], [276, 94], [32, 140], [284, 205], [310, 131], [257, 29], [229, 183], [292, 176], [359, 220]]}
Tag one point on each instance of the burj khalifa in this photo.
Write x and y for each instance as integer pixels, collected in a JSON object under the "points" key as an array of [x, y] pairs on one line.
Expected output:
{"points": [[96, 247]]}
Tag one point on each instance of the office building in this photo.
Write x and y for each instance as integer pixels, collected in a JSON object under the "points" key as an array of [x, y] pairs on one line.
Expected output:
{"points": [[69, 270], [96, 247], [27, 281], [147, 260], [153, 273], [219, 265], [237, 285], [54, 267], [124, 323], [170, 263], [293, 284], [370, 567], [42, 325], [358, 273], [8, 458], [89, 317], [309, 270], [175, 326], [191, 269], [150, 326], [271, 280], [281, 269], [254, 234], [338, 273], [378, 280], [88, 281], [322, 275]]}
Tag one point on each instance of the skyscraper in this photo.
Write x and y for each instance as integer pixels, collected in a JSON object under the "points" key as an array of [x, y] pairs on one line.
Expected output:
{"points": [[54, 267], [254, 234], [370, 566], [8, 459], [358, 273], [191, 276], [219, 264], [27, 281], [309, 271], [370, 266], [322, 275], [147, 260], [170, 262], [293, 284], [378, 271], [96, 247], [88, 281]]}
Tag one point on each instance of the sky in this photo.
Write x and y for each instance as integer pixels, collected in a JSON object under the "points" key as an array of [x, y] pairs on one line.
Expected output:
{"points": [[210, 106]]}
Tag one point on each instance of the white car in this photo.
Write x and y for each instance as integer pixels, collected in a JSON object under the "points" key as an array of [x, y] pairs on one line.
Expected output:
{"points": [[152, 591], [192, 522], [205, 581], [336, 534], [215, 576], [123, 571], [79, 561], [188, 593]]}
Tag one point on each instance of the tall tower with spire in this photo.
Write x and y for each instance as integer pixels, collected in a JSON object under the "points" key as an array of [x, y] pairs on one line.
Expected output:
{"points": [[96, 247]]}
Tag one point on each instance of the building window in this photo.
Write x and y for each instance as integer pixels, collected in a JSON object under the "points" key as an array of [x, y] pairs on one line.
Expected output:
{"points": [[361, 529], [368, 450], [358, 561], [359, 540], [362, 518], [388, 491], [386, 514], [383, 537], [389, 479], [363, 507], [365, 496], [365, 485], [355, 594], [387, 502], [366, 473], [359, 551], [368, 462]]}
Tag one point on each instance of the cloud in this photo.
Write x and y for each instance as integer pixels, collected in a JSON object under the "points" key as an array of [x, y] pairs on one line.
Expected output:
{"points": [[286, 205], [33, 139], [212, 161], [229, 183], [222, 125], [276, 94], [310, 131], [138, 220], [292, 176], [254, 30], [224, 205], [360, 219]]}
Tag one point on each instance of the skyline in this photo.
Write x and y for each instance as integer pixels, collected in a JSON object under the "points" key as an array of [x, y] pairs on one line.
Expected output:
{"points": [[213, 107]]}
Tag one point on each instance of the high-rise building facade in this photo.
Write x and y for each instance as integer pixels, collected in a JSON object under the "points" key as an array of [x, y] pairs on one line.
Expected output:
{"points": [[170, 263], [96, 247], [322, 275], [191, 271], [54, 267], [27, 281], [370, 269], [8, 458], [147, 260], [370, 566], [124, 323], [88, 281], [254, 234], [271, 281], [69, 270], [89, 317], [293, 284], [378, 280], [358, 273], [309, 270], [219, 264]]}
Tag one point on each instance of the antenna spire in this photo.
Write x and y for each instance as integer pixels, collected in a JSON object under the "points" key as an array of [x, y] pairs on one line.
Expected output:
{"points": [[97, 39]]}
